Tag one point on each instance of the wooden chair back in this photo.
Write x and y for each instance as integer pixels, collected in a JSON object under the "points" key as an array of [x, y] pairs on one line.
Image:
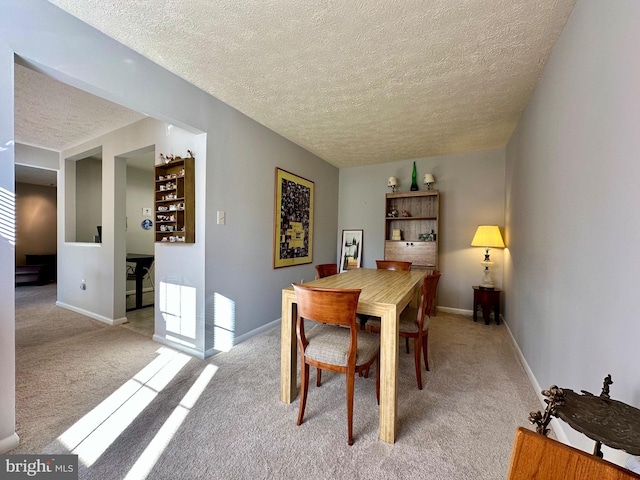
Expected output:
{"points": [[326, 270], [429, 290], [393, 265], [537, 457], [333, 306], [327, 305]]}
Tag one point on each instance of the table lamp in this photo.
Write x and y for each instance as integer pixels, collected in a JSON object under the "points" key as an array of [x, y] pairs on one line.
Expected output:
{"points": [[392, 183], [487, 236], [428, 180]]}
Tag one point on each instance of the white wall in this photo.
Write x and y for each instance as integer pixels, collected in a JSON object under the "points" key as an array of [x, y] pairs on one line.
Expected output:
{"points": [[471, 189], [102, 266], [572, 221], [37, 157], [8, 437]]}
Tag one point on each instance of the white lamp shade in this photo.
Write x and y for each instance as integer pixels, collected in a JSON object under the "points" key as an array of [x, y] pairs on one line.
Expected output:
{"points": [[428, 178], [487, 236], [392, 182]]}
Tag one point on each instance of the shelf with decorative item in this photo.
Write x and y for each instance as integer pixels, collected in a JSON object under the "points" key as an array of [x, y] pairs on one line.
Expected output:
{"points": [[411, 228], [175, 200]]}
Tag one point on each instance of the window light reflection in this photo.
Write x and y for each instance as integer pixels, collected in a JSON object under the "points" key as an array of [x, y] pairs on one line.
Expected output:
{"points": [[224, 314], [178, 309], [8, 215]]}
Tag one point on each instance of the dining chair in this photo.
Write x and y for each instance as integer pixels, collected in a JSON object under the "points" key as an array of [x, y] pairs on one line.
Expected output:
{"points": [[393, 265], [326, 270], [148, 274], [414, 323], [536, 456], [343, 350]]}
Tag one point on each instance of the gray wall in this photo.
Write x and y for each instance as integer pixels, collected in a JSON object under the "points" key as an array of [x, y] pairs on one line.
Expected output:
{"points": [[572, 223], [238, 178], [140, 194], [471, 189], [88, 186]]}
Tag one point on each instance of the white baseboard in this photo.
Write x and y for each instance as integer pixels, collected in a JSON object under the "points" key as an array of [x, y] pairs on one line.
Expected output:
{"points": [[181, 348], [212, 351], [9, 443], [95, 316], [257, 331], [459, 311], [555, 423]]}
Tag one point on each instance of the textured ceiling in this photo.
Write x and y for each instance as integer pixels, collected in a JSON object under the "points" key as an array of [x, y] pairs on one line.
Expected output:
{"points": [[355, 82], [56, 116]]}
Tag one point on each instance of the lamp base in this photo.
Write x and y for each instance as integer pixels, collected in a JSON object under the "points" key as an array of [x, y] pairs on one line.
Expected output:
{"points": [[487, 281]]}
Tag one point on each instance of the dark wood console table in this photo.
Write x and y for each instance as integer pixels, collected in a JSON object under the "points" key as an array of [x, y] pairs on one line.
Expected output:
{"points": [[607, 421], [488, 298]]}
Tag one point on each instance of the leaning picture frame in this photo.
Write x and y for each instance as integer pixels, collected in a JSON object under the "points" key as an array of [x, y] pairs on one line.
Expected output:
{"points": [[351, 250], [293, 222]]}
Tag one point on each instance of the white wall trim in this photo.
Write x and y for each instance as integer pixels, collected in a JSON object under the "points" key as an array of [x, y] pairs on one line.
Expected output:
{"points": [[95, 316], [555, 423], [459, 311], [182, 348], [257, 331], [9, 443]]}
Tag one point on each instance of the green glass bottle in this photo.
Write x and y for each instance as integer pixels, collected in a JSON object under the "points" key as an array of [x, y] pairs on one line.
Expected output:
{"points": [[414, 178]]}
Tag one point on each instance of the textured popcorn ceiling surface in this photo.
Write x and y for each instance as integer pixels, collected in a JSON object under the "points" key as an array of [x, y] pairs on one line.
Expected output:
{"points": [[353, 81], [54, 115]]}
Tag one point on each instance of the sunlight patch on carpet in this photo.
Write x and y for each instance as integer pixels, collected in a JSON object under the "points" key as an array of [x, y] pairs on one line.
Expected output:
{"points": [[97, 430], [156, 447]]}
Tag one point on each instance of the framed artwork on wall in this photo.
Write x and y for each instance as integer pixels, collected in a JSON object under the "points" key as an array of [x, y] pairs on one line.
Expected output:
{"points": [[293, 223], [351, 251]]}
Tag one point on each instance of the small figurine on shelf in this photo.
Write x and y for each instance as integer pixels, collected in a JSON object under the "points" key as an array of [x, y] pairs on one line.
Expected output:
{"points": [[392, 213], [190, 154], [405, 213]]}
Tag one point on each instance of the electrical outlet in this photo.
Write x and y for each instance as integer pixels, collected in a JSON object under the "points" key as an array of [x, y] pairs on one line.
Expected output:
{"points": [[83, 285]]}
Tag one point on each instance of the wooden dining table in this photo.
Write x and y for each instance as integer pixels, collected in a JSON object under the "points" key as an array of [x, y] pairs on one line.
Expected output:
{"points": [[385, 294]]}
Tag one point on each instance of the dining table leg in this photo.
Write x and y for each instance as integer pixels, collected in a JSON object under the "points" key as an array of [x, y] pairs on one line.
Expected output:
{"points": [[288, 351], [389, 348]]}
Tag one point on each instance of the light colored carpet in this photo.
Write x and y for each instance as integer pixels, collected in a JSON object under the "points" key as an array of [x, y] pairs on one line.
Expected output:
{"points": [[461, 426]]}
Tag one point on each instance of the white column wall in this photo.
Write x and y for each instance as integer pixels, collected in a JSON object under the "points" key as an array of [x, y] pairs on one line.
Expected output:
{"points": [[8, 437]]}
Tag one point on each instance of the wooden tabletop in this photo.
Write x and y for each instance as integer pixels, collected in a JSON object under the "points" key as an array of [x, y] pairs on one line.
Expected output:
{"points": [[379, 287]]}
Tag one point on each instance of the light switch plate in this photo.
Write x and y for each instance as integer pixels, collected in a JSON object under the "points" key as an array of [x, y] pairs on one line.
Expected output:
{"points": [[146, 211], [221, 218]]}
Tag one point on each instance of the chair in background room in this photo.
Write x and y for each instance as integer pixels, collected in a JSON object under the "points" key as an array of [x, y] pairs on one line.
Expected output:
{"points": [[414, 323], [342, 350], [148, 274], [393, 265], [538, 457], [326, 270]]}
